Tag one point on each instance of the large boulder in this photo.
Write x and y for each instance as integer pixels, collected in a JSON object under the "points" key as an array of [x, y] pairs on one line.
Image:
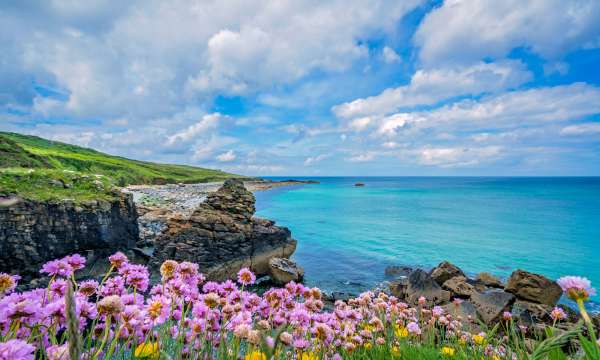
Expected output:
{"points": [[418, 284], [445, 271], [491, 304], [529, 313], [533, 287], [465, 309], [459, 286], [396, 271], [488, 280], [222, 236], [282, 271]]}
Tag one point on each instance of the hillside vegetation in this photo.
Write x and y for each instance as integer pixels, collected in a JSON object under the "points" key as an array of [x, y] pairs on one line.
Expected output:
{"points": [[40, 169]]}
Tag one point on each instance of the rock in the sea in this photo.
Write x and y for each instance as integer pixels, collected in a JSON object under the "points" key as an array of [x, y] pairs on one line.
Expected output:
{"points": [[488, 280], [418, 284], [491, 304], [34, 232], [533, 287], [221, 236], [397, 271], [459, 286], [445, 271], [282, 271]]}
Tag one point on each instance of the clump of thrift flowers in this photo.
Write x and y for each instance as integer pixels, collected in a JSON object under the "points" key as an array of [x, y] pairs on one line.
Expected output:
{"points": [[124, 316]]}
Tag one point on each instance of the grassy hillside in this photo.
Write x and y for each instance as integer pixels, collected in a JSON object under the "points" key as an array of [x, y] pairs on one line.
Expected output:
{"points": [[41, 169]]}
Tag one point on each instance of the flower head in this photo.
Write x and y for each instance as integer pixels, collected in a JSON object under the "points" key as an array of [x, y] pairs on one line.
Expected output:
{"points": [[147, 350], [558, 314], [8, 283], [16, 350], [57, 268], [76, 261], [167, 269], [118, 259], [576, 287], [110, 305], [246, 277], [413, 328], [447, 351]]}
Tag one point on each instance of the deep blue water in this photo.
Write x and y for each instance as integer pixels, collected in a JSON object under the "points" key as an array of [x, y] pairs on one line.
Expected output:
{"points": [[347, 235]]}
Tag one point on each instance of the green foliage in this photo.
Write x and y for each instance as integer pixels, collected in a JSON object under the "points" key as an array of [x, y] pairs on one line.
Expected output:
{"points": [[25, 161]]}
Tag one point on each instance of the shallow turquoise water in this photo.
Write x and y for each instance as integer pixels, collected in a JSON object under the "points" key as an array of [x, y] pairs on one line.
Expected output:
{"points": [[347, 235]]}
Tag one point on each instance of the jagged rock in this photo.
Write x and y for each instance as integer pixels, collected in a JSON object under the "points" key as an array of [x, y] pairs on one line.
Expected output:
{"points": [[530, 313], [445, 271], [32, 232], [459, 286], [491, 304], [397, 271], [221, 236], [489, 280], [282, 271], [466, 310], [418, 284], [533, 287]]}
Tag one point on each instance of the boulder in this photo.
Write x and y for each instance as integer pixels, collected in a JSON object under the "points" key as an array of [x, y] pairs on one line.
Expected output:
{"points": [[418, 284], [282, 271], [466, 310], [533, 287], [491, 304], [459, 286], [529, 313], [445, 271], [397, 271], [488, 280]]}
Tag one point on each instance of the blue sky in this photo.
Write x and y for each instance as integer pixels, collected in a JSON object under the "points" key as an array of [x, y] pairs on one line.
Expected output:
{"points": [[312, 87]]}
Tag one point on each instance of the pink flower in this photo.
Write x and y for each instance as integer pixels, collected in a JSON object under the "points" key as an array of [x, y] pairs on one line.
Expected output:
{"points": [[246, 277], [576, 287], [76, 261], [57, 267], [16, 350], [118, 259], [558, 314], [422, 300], [413, 328], [507, 316], [56, 352]]}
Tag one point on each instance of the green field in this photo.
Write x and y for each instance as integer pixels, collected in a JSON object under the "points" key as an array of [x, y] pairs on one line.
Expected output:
{"points": [[40, 169]]}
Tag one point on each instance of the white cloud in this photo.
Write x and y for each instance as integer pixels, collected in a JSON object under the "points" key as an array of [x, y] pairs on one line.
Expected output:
{"points": [[208, 122], [362, 157], [458, 156], [389, 55], [429, 87], [467, 31], [311, 160], [226, 156], [581, 129]]}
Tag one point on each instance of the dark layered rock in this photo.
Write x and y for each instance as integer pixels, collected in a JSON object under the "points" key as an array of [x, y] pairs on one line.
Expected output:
{"points": [[530, 313], [222, 236], [533, 287], [459, 286], [465, 309], [395, 271], [282, 271], [492, 304], [418, 284], [32, 233], [445, 271]]}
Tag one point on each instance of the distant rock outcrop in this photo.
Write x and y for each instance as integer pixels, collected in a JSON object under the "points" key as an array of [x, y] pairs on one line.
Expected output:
{"points": [[222, 236], [33, 232]]}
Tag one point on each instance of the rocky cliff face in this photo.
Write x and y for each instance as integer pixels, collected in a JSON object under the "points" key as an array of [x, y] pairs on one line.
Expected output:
{"points": [[222, 236], [32, 233]]}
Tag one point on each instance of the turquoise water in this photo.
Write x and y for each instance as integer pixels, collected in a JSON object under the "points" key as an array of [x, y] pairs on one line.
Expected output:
{"points": [[347, 235]]}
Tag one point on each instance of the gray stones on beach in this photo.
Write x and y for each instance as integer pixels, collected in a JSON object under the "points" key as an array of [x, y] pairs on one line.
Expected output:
{"points": [[459, 286], [533, 287], [420, 283], [282, 271], [489, 280], [492, 304]]}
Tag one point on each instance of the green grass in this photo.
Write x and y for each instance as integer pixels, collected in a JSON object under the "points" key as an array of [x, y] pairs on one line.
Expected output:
{"points": [[29, 164]]}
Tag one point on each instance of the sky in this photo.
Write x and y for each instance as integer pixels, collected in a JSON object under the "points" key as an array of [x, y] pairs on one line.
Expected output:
{"points": [[314, 88]]}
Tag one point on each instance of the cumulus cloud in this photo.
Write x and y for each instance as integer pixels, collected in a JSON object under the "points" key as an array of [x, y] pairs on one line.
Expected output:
{"points": [[361, 157], [581, 129], [311, 160], [467, 31], [226, 156], [429, 87], [458, 156], [208, 122], [389, 55]]}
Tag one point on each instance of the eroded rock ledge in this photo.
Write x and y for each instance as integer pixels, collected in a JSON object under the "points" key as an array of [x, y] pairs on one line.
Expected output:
{"points": [[222, 236]]}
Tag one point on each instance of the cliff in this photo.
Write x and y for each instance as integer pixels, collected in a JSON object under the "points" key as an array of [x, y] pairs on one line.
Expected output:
{"points": [[222, 236], [33, 232]]}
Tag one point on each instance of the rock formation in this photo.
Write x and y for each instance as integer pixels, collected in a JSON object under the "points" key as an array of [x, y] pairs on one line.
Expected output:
{"points": [[282, 271], [222, 236], [32, 233]]}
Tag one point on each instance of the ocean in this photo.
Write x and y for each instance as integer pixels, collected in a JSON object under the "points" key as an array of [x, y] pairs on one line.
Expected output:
{"points": [[347, 235]]}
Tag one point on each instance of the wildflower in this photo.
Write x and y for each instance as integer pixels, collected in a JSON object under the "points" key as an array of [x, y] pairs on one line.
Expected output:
{"points": [[457, 301], [437, 311], [167, 269], [110, 305], [422, 300], [286, 338], [558, 314], [212, 300], [256, 355], [147, 350], [242, 330], [88, 287], [118, 259], [507, 316], [16, 350], [246, 277], [478, 339], [380, 341], [58, 352], [401, 332], [395, 350], [447, 351], [76, 261], [57, 268], [8, 283], [576, 287], [413, 328]]}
